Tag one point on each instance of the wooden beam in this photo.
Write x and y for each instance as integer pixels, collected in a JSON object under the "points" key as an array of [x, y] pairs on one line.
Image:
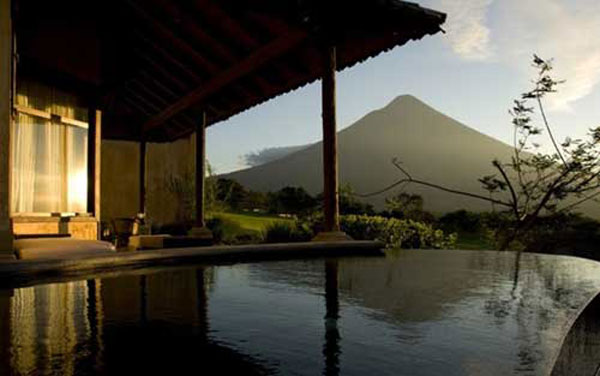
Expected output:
{"points": [[200, 169], [330, 163], [6, 80], [244, 67], [235, 31], [220, 19]]}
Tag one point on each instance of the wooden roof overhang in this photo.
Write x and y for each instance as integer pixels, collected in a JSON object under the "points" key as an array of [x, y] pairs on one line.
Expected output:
{"points": [[154, 66]]}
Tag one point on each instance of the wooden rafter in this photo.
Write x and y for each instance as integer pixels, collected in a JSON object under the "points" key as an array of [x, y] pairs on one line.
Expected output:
{"points": [[208, 67], [150, 80], [138, 98], [191, 26], [182, 86], [152, 93], [226, 24], [168, 57], [170, 37], [256, 60], [235, 31]]}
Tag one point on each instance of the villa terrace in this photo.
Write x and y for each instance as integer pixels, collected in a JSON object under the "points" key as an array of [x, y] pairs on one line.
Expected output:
{"points": [[99, 99]]}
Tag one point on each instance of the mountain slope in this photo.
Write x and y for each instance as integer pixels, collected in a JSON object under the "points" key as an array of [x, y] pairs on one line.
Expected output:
{"points": [[430, 145]]}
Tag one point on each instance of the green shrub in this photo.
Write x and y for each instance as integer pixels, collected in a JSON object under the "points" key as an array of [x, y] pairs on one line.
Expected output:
{"points": [[286, 232], [396, 233], [216, 226], [246, 237]]}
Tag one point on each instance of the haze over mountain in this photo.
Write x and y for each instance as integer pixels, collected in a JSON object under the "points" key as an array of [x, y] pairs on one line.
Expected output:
{"points": [[267, 155], [430, 145]]}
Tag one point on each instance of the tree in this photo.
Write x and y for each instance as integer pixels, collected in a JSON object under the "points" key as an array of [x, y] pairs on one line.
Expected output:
{"points": [[534, 183], [349, 204], [292, 200], [405, 206], [231, 193], [183, 188]]}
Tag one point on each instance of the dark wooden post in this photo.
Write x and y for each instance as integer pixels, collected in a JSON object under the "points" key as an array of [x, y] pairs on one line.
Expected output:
{"points": [[200, 230], [200, 169], [142, 203], [94, 166], [330, 163], [6, 73]]}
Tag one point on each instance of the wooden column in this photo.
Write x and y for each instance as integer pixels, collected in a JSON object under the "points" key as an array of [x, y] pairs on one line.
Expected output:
{"points": [[6, 74], [142, 195], [94, 166], [200, 230], [330, 163], [200, 169]]}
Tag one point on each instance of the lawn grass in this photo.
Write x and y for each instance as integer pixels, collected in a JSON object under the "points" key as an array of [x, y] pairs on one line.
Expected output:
{"points": [[251, 221]]}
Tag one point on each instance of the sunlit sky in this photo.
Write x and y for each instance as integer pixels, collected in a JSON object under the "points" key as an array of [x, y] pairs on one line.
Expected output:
{"points": [[471, 73]]}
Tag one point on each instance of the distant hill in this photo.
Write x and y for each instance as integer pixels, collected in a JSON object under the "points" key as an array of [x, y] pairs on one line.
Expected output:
{"points": [[430, 145]]}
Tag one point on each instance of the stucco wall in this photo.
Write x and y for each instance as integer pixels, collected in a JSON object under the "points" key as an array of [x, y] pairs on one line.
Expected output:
{"points": [[176, 159], [120, 178]]}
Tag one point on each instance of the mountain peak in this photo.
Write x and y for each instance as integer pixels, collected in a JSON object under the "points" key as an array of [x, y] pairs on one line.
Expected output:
{"points": [[405, 99]]}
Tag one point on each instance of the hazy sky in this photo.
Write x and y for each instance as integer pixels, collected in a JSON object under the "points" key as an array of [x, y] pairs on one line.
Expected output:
{"points": [[471, 73]]}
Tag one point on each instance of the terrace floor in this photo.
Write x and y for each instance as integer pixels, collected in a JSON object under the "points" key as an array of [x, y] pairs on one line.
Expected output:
{"points": [[16, 273]]}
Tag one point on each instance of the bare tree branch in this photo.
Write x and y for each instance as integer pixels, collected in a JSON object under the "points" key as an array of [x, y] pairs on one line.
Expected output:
{"points": [[410, 179]]}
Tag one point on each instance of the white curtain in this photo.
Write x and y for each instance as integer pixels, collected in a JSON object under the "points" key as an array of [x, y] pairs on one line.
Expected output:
{"points": [[49, 158]]}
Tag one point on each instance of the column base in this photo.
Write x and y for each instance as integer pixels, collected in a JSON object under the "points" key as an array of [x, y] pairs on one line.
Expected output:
{"points": [[331, 236], [201, 233]]}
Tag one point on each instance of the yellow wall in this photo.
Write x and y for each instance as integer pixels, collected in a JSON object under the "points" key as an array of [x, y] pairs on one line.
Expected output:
{"points": [[120, 178]]}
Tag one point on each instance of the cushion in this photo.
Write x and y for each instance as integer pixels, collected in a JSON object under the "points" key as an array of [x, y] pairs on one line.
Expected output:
{"points": [[45, 248]]}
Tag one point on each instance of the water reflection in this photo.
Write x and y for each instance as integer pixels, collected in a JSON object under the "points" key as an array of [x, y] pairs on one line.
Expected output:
{"points": [[331, 348], [131, 324], [417, 312]]}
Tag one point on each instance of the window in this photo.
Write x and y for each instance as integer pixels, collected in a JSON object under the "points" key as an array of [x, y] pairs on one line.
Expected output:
{"points": [[49, 151]]}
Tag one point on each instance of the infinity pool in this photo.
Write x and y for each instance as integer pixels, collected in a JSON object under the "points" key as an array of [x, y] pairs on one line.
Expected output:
{"points": [[408, 313]]}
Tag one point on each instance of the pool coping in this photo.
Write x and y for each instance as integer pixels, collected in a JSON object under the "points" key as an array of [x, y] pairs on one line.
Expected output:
{"points": [[20, 273]]}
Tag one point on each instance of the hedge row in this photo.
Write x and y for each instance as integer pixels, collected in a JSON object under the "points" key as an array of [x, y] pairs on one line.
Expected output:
{"points": [[395, 233]]}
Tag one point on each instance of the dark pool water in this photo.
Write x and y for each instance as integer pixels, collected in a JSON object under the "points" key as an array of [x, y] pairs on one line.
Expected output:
{"points": [[409, 313]]}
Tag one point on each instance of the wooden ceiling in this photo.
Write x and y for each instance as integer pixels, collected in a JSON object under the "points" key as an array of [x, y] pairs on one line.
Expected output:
{"points": [[154, 66]]}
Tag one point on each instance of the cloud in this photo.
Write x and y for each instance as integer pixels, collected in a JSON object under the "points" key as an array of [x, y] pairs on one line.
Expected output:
{"points": [[564, 30], [468, 35], [269, 154], [511, 31]]}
